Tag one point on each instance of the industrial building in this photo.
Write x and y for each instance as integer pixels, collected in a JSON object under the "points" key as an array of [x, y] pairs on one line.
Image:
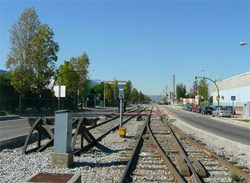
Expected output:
{"points": [[233, 91]]}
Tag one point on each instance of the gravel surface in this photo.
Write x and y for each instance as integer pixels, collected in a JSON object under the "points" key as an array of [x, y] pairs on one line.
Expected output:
{"points": [[101, 164]]}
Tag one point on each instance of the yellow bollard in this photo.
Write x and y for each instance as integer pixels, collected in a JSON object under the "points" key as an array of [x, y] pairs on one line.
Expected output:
{"points": [[122, 132]]}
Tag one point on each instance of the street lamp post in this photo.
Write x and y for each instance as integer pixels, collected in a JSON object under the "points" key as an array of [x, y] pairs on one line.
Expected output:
{"points": [[218, 91], [104, 94], [244, 43]]}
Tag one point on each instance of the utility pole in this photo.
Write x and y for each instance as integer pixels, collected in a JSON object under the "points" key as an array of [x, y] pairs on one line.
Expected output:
{"points": [[166, 90], [218, 91], [173, 97], [166, 94], [104, 94]]}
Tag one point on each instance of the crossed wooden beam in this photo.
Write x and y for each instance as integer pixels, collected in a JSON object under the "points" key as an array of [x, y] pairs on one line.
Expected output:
{"points": [[45, 129]]}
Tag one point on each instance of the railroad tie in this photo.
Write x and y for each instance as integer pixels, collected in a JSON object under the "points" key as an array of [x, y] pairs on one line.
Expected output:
{"points": [[182, 166], [198, 167]]}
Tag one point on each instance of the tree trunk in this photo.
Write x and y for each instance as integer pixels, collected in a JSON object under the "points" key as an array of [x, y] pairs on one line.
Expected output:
{"points": [[20, 104]]}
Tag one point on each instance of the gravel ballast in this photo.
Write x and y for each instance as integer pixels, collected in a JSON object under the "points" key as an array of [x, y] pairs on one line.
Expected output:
{"points": [[100, 164]]}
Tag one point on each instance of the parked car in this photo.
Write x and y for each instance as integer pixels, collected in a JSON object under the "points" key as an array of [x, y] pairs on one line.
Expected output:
{"points": [[196, 108], [207, 110], [184, 107], [231, 108], [222, 112], [215, 111], [189, 107]]}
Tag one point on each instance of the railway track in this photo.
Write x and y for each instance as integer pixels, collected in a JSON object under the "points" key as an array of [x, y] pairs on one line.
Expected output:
{"points": [[103, 129], [100, 130], [160, 155]]}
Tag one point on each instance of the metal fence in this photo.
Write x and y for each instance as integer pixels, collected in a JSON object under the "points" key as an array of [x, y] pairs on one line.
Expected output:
{"points": [[46, 104]]}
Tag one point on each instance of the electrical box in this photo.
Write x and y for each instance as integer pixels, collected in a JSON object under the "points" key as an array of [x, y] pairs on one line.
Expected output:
{"points": [[63, 131], [246, 110]]}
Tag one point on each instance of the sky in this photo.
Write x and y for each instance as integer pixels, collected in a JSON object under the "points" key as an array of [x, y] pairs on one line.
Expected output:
{"points": [[144, 41]]}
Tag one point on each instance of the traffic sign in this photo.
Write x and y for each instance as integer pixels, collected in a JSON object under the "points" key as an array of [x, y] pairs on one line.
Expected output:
{"points": [[233, 98], [120, 86], [218, 98], [121, 94], [60, 91]]}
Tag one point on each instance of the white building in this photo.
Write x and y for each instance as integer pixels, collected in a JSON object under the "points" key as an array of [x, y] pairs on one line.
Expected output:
{"points": [[237, 87]]}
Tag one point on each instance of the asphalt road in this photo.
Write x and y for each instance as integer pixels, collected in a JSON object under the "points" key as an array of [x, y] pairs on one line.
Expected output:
{"points": [[13, 128], [207, 123]]}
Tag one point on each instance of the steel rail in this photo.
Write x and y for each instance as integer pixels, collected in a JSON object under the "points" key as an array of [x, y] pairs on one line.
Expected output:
{"points": [[114, 118], [195, 176], [136, 150], [220, 160], [211, 154], [90, 145], [179, 178]]}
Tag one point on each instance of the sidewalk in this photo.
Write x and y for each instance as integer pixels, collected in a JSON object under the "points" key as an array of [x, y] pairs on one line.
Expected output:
{"points": [[233, 121]]}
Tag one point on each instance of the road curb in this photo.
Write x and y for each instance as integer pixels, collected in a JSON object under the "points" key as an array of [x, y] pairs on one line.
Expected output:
{"points": [[10, 117], [233, 122], [15, 142]]}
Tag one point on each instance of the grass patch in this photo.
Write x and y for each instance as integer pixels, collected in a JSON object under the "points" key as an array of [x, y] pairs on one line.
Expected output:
{"points": [[244, 120], [234, 176]]}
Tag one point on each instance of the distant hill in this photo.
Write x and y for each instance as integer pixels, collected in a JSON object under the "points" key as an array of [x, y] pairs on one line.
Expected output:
{"points": [[2, 71], [155, 97]]}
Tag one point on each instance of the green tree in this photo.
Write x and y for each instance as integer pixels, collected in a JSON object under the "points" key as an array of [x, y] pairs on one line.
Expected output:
{"points": [[134, 95], [81, 65], [20, 58], [141, 97], [108, 92], [44, 58], [203, 90], [115, 89], [32, 56], [68, 77], [127, 90], [73, 74], [98, 90], [180, 91]]}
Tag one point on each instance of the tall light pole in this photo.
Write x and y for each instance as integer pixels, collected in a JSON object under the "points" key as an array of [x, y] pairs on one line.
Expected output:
{"points": [[243, 43], [173, 89], [218, 91], [104, 94]]}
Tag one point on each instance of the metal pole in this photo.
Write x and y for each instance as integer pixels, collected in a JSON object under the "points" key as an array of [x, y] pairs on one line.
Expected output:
{"points": [[218, 91], [59, 97], [173, 89], [120, 113], [104, 95], [78, 93], [233, 108]]}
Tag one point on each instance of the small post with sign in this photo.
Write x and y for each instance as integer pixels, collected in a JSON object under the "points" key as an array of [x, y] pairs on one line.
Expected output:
{"points": [[121, 96], [233, 98], [121, 131], [60, 91]]}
